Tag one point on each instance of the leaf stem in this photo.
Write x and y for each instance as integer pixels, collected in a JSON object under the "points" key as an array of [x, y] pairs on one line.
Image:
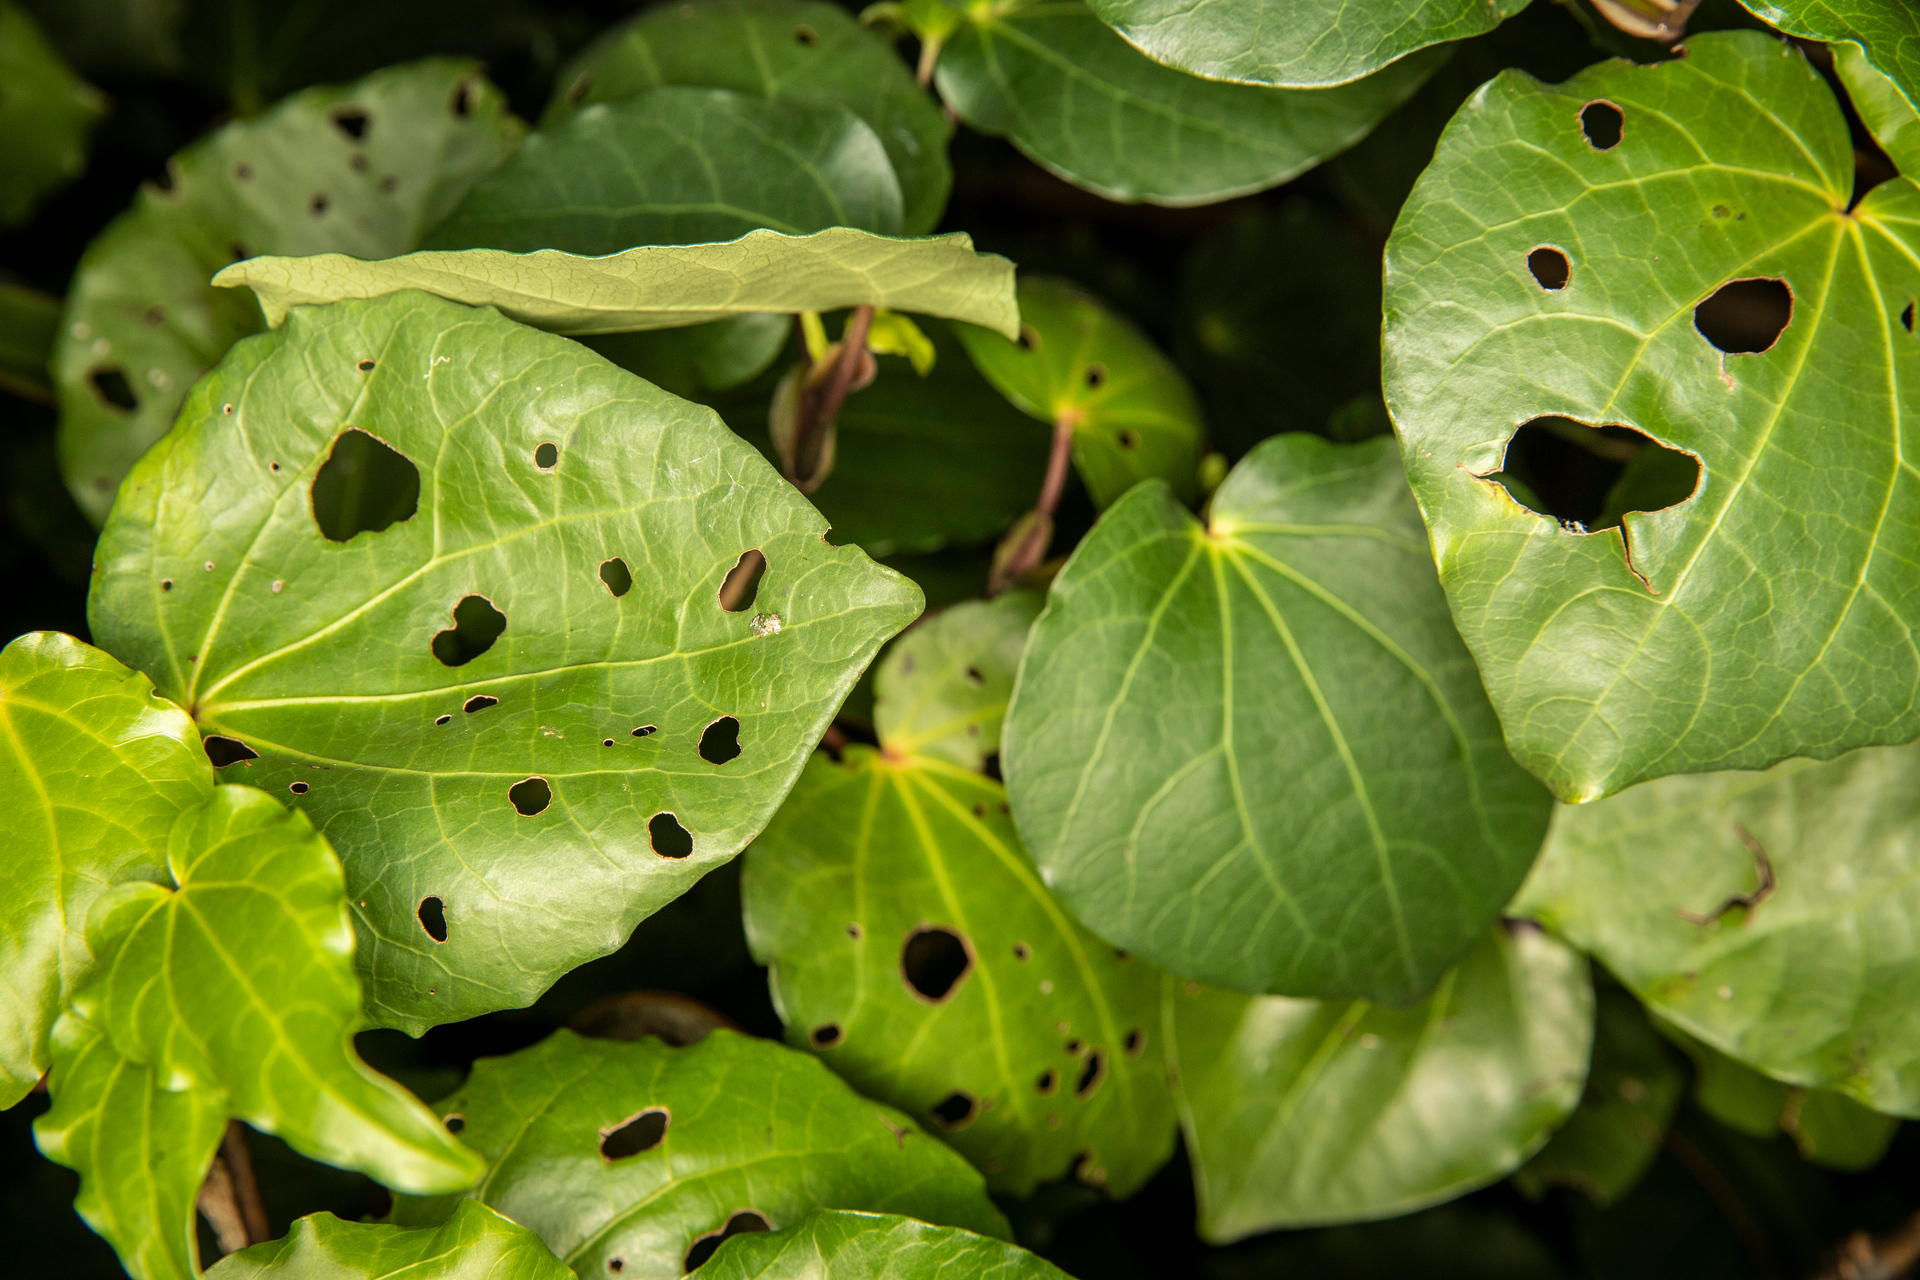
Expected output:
{"points": [[245, 1187], [817, 414]]}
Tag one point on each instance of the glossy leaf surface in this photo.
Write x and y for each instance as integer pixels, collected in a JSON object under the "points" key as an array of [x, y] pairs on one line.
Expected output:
{"points": [[1819, 983], [474, 1243], [1664, 648], [515, 789], [1258, 754], [661, 286], [1887, 31], [785, 52], [748, 1126], [46, 114], [1302, 1112], [142, 324], [1133, 415], [1085, 104], [94, 768], [832, 1244], [1891, 114]]}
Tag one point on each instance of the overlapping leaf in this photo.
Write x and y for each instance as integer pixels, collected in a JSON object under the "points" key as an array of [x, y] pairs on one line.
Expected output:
{"points": [[700, 361], [1299, 1112], [509, 800], [362, 169], [623, 1155], [1256, 752], [94, 768], [46, 114], [1082, 102], [786, 51], [1818, 981], [842, 1245], [1893, 117], [1886, 31], [1769, 614], [474, 1242]]}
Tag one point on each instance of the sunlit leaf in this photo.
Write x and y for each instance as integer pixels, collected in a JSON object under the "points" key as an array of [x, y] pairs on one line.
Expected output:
{"points": [[1255, 751], [831, 1244], [475, 1242], [1886, 31], [46, 114], [1557, 260]]}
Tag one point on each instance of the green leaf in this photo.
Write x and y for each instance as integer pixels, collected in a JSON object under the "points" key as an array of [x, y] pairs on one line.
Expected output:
{"points": [[785, 52], [1661, 648], [1083, 103], [496, 792], [1893, 117], [680, 166], [700, 360], [94, 768], [1886, 31], [474, 1242], [942, 691], [831, 1244], [1257, 753], [1633, 1087], [661, 286], [142, 324], [28, 322], [1299, 1112], [1816, 984], [46, 115], [1292, 44], [623, 1154], [1077, 362]]}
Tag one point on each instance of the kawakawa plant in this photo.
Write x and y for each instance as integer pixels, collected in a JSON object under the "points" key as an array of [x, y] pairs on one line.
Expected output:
{"points": [[492, 520]]}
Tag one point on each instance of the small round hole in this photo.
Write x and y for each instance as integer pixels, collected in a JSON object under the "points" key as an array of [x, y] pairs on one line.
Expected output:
{"points": [[668, 838], [365, 366], [433, 918], [1048, 1082], [933, 961], [720, 741], [298, 788], [546, 456], [606, 742], [955, 1111], [826, 1035], [455, 1123], [1096, 375], [1128, 439], [1603, 124], [530, 796], [805, 34], [615, 575], [1136, 1042], [443, 719], [1550, 268]]}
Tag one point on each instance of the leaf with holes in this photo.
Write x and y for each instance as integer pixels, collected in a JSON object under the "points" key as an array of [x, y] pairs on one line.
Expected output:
{"points": [[1080, 366], [1083, 103], [838, 1244], [639, 1158], [680, 166], [94, 768], [46, 114], [1890, 114], [474, 1241], [1887, 32], [1769, 914], [549, 696], [912, 946], [362, 169], [1299, 1112], [1257, 752], [1666, 252], [805, 53], [661, 286]]}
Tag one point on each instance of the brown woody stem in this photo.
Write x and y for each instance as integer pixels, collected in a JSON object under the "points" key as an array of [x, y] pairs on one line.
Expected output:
{"points": [[816, 412], [1057, 463], [246, 1188]]}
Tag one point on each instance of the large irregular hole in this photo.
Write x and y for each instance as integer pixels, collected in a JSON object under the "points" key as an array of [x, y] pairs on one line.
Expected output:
{"points": [[1550, 268], [1603, 124], [224, 751], [955, 1111], [743, 1221], [742, 583], [1091, 1075], [433, 918], [933, 961], [1745, 316], [363, 487], [112, 387], [476, 625], [668, 838], [530, 796], [1590, 477], [635, 1134], [617, 576], [720, 741], [478, 702]]}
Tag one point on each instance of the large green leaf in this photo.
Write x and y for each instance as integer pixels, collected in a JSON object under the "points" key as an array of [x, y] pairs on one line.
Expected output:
{"points": [[362, 169], [1077, 362], [1668, 645], [623, 1154], [786, 51], [1296, 44], [1256, 752], [1886, 31], [838, 1244], [1819, 983], [497, 795], [661, 286], [94, 768], [46, 114], [1300, 1112], [680, 166], [1082, 102], [912, 945], [475, 1242]]}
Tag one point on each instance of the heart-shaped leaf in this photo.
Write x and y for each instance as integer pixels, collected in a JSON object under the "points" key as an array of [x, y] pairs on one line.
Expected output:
{"points": [[474, 1242], [538, 696], [661, 286], [1769, 914], [46, 114], [680, 166], [1886, 31], [1256, 752], [363, 169], [637, 1158], [1300, 1112], [1088, 106], [1667, 252], [837, 1244], [786, 52], [94, 768], [1294, 44]]}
